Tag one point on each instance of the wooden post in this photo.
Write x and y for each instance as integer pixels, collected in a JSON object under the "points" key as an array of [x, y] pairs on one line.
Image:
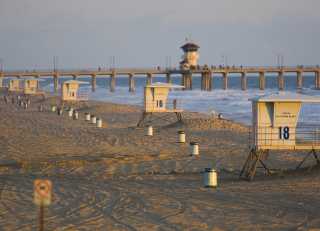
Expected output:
{"points": [[112, 81], [243, 81], [262, 81], [281, 81], [55, 82], [41, 218], [132, 87], [225, 80], [149, 78], [168, 77], [299, 80], [93, 82]]}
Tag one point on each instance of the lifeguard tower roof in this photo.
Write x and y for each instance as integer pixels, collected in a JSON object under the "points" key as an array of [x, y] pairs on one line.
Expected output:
{"points": [[76, 82], [190, 46], [287, 97], [165, 85]]}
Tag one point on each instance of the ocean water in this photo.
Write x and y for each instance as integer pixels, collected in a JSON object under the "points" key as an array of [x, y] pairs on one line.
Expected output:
{"points": [[232, 103]]}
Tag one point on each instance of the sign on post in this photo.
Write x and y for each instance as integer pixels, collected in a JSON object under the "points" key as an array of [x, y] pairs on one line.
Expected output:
{"points": [[42, 192]]}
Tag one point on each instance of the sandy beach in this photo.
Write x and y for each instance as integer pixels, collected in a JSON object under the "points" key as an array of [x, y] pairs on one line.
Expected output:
{"points": [[117, 178]]}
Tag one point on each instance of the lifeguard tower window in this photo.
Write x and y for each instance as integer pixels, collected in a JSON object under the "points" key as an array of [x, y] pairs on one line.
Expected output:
{"points": [[282, 122], [159, 103]]}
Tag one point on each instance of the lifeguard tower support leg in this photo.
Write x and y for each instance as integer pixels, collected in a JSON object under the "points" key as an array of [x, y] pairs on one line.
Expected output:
{"points": [[179, 116], [254, 158], [314, 153]]}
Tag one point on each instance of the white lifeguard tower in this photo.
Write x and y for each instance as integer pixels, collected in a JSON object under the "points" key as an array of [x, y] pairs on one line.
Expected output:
{"points": [[15, 85], [32, 87], [156, 101], [71, 91], [275, 127]]}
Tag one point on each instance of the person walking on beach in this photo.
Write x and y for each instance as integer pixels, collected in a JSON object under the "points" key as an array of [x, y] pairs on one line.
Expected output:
{"points": [[5, 99]]}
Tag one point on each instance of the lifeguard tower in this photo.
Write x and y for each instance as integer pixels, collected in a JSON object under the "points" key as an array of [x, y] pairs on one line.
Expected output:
{"points": [[72, 92], [32, 87], [15, 85], [156, 102], [190, 56], [275, 127]]}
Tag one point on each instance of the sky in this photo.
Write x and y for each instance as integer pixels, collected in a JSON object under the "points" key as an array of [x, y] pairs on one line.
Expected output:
{"points": [[143, 33]]}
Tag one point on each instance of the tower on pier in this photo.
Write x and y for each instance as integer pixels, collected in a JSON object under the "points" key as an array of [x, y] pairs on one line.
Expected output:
{"points": [[190, 56]]}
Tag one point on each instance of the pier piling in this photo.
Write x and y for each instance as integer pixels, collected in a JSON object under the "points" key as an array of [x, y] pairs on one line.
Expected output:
{"points": [[299, 80], [281, 81], [1, 79], [206, 81], [149, 78], [55, 82], [262, 81], [243, 81], [168, 77], [187, 80], [225, 80], [112, 82], [132, 86], [93, 82], [317, 79]]}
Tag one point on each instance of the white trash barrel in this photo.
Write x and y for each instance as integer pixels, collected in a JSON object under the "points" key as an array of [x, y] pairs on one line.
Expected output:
{"points": [[70, 112], [59, 111], [194, 148], [93, 119], [99, 123], [181, 137], [40, 108], [150, 131], [53, 108], [87, 117], [210, 178], [75, 115]]}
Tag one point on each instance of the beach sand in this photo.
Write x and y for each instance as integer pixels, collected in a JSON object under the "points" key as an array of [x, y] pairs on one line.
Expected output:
{"points": [[117, 178]]}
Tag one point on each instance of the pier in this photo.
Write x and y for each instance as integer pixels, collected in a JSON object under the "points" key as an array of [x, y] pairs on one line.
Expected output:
{"points": [[207, 74]]}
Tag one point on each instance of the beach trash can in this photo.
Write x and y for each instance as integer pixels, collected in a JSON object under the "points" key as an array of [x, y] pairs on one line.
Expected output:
{"points": [[53, 108], [60, 111], [194, 146], [75, 115], [99, 123], [87, 116], [150, 130], [210, 178], [70, 112], [181, 137], [40, 108], [93, 119]]}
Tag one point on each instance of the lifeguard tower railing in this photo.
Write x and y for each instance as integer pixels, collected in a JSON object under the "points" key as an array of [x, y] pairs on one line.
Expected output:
{"points": [[171, 105], [305, 136]]}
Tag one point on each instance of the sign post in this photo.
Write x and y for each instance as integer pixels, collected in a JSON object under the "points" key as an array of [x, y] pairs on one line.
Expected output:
{"points": [[42, 197]]}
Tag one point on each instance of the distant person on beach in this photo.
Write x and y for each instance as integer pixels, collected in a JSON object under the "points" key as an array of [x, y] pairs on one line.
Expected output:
{"points": [[5, 99]]}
